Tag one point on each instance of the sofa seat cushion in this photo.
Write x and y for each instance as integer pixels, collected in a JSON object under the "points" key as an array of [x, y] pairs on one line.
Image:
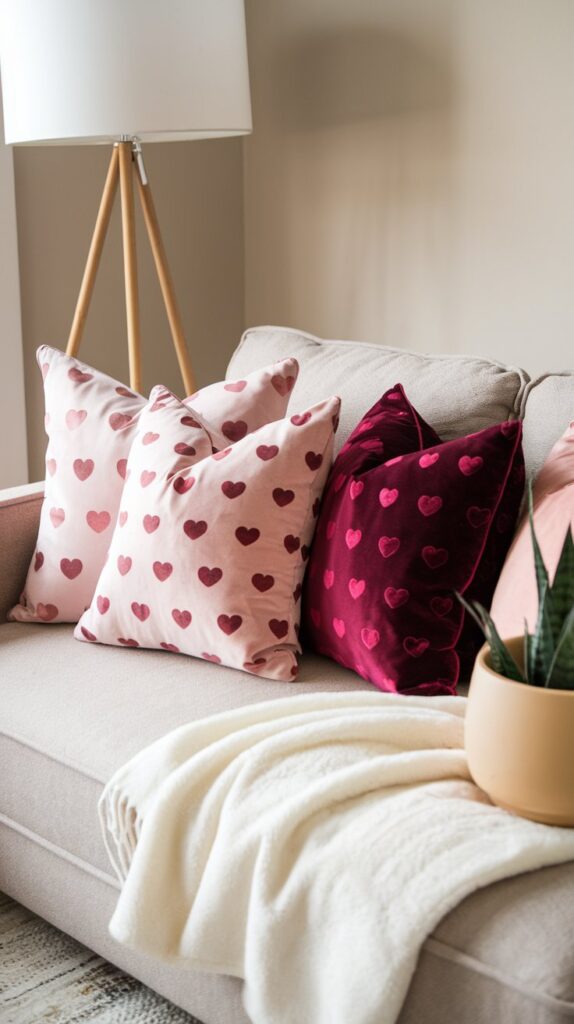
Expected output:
{"points": [[70, 715]]}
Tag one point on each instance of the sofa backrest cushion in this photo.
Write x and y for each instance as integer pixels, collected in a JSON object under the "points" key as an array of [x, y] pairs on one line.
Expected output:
{"points": [[456, 394]]}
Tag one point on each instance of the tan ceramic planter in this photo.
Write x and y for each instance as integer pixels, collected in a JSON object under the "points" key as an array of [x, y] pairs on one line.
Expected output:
{"points": [[520, 743]]}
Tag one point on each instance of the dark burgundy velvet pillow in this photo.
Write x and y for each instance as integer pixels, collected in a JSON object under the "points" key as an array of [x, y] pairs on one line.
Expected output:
{"points": [[406, 520]]}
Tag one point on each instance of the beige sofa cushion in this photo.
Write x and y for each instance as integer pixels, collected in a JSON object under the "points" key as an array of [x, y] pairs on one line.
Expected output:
{"points": [[548, 409]]}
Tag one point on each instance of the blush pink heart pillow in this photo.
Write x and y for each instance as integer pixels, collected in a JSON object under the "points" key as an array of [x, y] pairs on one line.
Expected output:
{"points": [[91, 421], [209, 550], [406, 521], [516, 597]]}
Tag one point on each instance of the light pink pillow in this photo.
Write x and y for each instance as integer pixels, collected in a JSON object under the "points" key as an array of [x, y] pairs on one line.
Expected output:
{"points": [[91, 421], [209, 551], [516, 596]]}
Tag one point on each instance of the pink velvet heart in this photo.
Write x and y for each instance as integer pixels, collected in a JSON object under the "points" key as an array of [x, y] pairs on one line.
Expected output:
{"points": [[416, 646], [469, 465], [477, 517], [339, 627], [352, 538], [356, 588], [395, 597], [388, 496], [434, 557], [356, 488], [428, 459], [98, 521], [441, 606], [370, 637], [388, 546], [428, 504], [328, 579]]}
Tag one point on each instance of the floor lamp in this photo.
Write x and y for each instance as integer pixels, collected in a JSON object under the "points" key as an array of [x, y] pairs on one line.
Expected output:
{"points": [[124, 72]]}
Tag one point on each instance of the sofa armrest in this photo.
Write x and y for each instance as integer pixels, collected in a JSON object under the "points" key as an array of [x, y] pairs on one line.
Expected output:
{"points": [[19, 517]]}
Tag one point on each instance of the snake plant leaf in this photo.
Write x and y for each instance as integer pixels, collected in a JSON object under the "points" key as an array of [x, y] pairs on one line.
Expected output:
{"points": [[500, 657], [541, 644], [540, 569], [562, 590], [561, 672], [525, 652]]}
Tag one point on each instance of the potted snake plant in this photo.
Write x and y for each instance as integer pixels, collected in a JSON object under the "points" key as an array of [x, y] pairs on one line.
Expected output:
{"points": [[519, 729]]}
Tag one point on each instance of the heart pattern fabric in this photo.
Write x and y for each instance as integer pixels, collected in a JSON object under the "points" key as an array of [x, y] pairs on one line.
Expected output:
{"points": [[406, 521], [220, 574], [91, 421]]}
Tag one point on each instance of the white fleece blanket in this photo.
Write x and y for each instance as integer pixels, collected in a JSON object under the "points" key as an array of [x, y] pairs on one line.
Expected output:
{"points": [[309, 845]]}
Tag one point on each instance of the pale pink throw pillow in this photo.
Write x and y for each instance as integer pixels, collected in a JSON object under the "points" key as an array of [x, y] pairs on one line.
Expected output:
{"points": [[91, 421], [516, 598], [209, 552]]}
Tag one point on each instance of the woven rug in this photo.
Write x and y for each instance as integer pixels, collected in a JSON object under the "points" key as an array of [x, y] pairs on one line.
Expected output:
{"points": [[48, 978]]}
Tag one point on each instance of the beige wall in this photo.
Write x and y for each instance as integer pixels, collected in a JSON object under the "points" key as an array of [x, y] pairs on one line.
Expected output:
{"points": [[410, 179], [197, 189], [13, 455]]}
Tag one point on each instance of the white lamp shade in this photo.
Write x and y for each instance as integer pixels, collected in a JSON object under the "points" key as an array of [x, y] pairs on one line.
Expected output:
{"points": [[87, 71]]}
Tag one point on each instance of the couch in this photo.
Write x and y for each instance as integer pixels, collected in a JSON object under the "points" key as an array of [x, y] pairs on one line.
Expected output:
{"points": [[71, 714]]}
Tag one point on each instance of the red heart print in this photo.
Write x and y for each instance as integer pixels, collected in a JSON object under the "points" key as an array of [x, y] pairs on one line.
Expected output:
{"points": [[232, 489], [170, 647], [313, 460], [247, 535], [315, 617], [428, 459], [477, 517], [189, 421], [182, 484], [38, 561], [162, 570], [119, 420], [305, 552], [331, 527], [355, 489], [83, 468], [209, 577], [57, 516], [469, 465], [339, 627], [125, 392], [45, 368], [141, 611], [123, 518], [416, 645], [102, 604], [121, 466], [229, 623], [234, 430], [222, 454], [150, 437], [339, 481], [71, 567], [193, 529], [127, 642], [75, 418], [300, 419], [352, 538], [124, 564], [395, 597], [181, 448], [388, 496], [181, 617], [211, 657], [282, 498], [388, 546], [282, 384], [266, 451], [88, 635], [151, 523], [370, 637], [441, 606], [46, 612], [51, 466], [316, 507], [262, 582], [78, 376], [356, 588], [98, 521], [236, 386], [328, 579], [291, 543], [428, 504], [434, 557], [279, 627], [297, 592], [147, 477]]}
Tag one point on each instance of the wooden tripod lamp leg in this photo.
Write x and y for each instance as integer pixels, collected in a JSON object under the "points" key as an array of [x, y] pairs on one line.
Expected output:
{"points": [[130, 264], [166, 282], [94, 254]]}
